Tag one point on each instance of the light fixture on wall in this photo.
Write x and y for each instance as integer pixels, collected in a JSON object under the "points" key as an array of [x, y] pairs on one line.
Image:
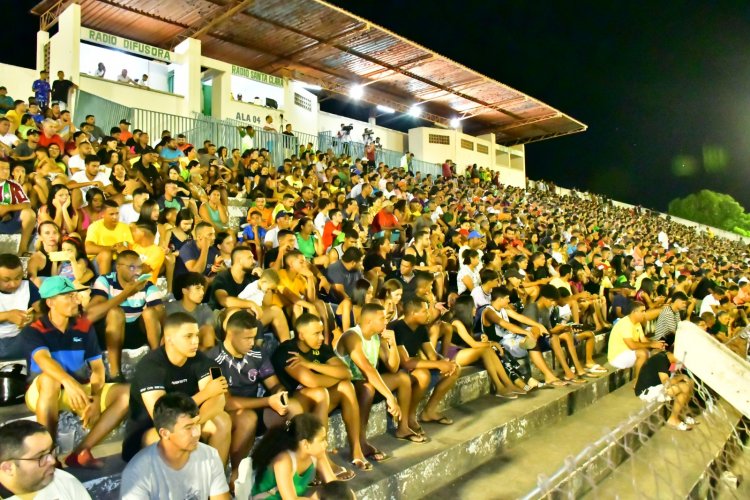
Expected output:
{"points": [[455, 123], [356, 92], [415, 111], [384, 109]]}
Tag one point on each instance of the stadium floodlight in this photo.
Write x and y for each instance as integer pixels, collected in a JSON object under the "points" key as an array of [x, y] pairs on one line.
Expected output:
{"points": [[415, 111], [455, 123], [356, 92], [384, 109]]}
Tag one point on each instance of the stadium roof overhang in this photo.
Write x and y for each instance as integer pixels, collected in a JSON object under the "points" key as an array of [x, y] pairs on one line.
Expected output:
{"points": [[320, 44]]}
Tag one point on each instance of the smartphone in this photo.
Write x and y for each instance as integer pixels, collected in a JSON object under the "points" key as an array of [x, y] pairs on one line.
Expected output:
{"points": [[144, 277], [58, 256], [215, 372]]}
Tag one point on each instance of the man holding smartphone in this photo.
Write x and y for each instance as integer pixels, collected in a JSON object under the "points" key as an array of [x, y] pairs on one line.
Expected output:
{"points": [[249, 405], [177, 366]]}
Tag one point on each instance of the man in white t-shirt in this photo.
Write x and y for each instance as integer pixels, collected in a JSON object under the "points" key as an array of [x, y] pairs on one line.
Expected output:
{"points": [[712, 302], [77, 163], [8, 141], [179, 465], [131, 212], [27, 465], [90, 176]]}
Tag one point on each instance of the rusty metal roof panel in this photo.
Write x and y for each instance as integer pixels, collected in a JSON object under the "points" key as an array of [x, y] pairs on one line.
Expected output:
{"points": [[324, 42]]}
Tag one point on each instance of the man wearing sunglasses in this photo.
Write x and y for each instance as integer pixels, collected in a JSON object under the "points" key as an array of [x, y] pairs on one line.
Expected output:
{"points": [[27, 465], [128, 309]]}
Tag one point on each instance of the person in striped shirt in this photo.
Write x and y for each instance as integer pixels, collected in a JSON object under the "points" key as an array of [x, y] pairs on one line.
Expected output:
{"points": [[129, 308]]}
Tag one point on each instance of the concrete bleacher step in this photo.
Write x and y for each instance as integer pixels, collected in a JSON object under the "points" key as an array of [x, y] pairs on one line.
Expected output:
{"points": [[518, 468], [674, 464], [483, 428]]}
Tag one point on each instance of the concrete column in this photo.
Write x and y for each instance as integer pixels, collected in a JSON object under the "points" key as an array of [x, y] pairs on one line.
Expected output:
{"points": [[42, 38], [221, 88], [65, 49], [187, 75]]}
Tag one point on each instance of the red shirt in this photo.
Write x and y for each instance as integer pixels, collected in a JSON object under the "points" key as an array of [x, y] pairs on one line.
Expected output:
{"points": [[12, 194], [383, 219], [45, 141], [328, 236]]}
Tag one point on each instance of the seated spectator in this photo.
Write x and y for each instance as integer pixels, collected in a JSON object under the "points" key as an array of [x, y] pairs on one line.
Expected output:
{"points": [[283, 222], [19, 300], [254, 233], [418, 357], [406, 276], [214, 211], [144, 244], [178, 465], [27, 465], [59, 209], [670, 317], [199, 255], [226, 242], [76, 266], [16, 215], [482, 294], [344, 273], [91, 176], [130, 212], [107, 237], [655, 384], [575, 333], [465, 350], [130, 307], [287, 458], [189, 291], [362, 347], [182, 230], [305, 361], [177, 367], [40, 265], [712, 301], [93, 210], [628, 346], [67, 372], [468, 274], [245, 367]]}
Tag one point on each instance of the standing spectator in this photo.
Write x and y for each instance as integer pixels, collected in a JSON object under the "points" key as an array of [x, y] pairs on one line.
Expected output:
{"points": [[41, 89], [247, 138], [16, 214], [178, 465], [101, 70], [61, 90], [27, 465], [67, 371]]}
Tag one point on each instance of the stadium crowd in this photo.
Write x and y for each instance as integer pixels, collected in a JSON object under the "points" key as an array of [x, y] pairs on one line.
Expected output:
{"points": [[349, 282]]}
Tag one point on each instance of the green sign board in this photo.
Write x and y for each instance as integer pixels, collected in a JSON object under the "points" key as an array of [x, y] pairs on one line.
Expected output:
{"points": [[257, 76], [117, 42]]}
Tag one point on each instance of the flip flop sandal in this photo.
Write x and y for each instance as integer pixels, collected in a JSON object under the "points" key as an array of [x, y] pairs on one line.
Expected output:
{"points": [[578, 381], [682, 426], [362, 465], [507, 395], [442, 421], [345, 475], [556, 383], [689, 420], [414, 438], [378, 456]]}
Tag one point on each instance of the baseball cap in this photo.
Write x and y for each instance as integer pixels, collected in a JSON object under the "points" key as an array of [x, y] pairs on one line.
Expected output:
{"points": [[475, 234], [57, 285], [32, 131], [622, 282], [124, 122], [282, 213], [742, 281]]}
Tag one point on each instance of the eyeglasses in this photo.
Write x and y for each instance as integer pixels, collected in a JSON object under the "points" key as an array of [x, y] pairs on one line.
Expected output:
{"points": [[41, 460]]}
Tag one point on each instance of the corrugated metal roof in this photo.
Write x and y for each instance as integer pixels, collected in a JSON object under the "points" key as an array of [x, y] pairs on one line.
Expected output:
{"points": [[327, 45]]}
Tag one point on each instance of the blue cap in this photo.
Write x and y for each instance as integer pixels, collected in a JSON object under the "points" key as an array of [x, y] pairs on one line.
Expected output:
{"points": [[475, 234]]}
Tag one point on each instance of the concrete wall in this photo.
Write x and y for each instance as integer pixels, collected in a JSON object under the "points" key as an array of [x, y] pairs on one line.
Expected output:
{"points": [[131, 96], [18, 80]]}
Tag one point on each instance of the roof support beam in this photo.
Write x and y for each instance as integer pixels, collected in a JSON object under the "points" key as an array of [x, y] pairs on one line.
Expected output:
{"points": [[207, 23]]}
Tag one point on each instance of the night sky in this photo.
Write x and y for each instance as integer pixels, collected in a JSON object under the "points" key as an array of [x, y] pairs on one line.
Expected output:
{"points": [[663, 86]]}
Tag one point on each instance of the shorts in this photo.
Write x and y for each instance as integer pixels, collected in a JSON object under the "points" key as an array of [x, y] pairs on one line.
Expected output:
{"points": [[12, 225], [32, 397], [453, 352], [135, 334], [11, 348], [512, 344], [625, 359], [655, 393]]}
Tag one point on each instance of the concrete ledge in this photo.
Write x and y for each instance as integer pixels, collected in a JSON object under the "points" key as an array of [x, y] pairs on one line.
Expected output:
{"points": [[483, 429]]}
